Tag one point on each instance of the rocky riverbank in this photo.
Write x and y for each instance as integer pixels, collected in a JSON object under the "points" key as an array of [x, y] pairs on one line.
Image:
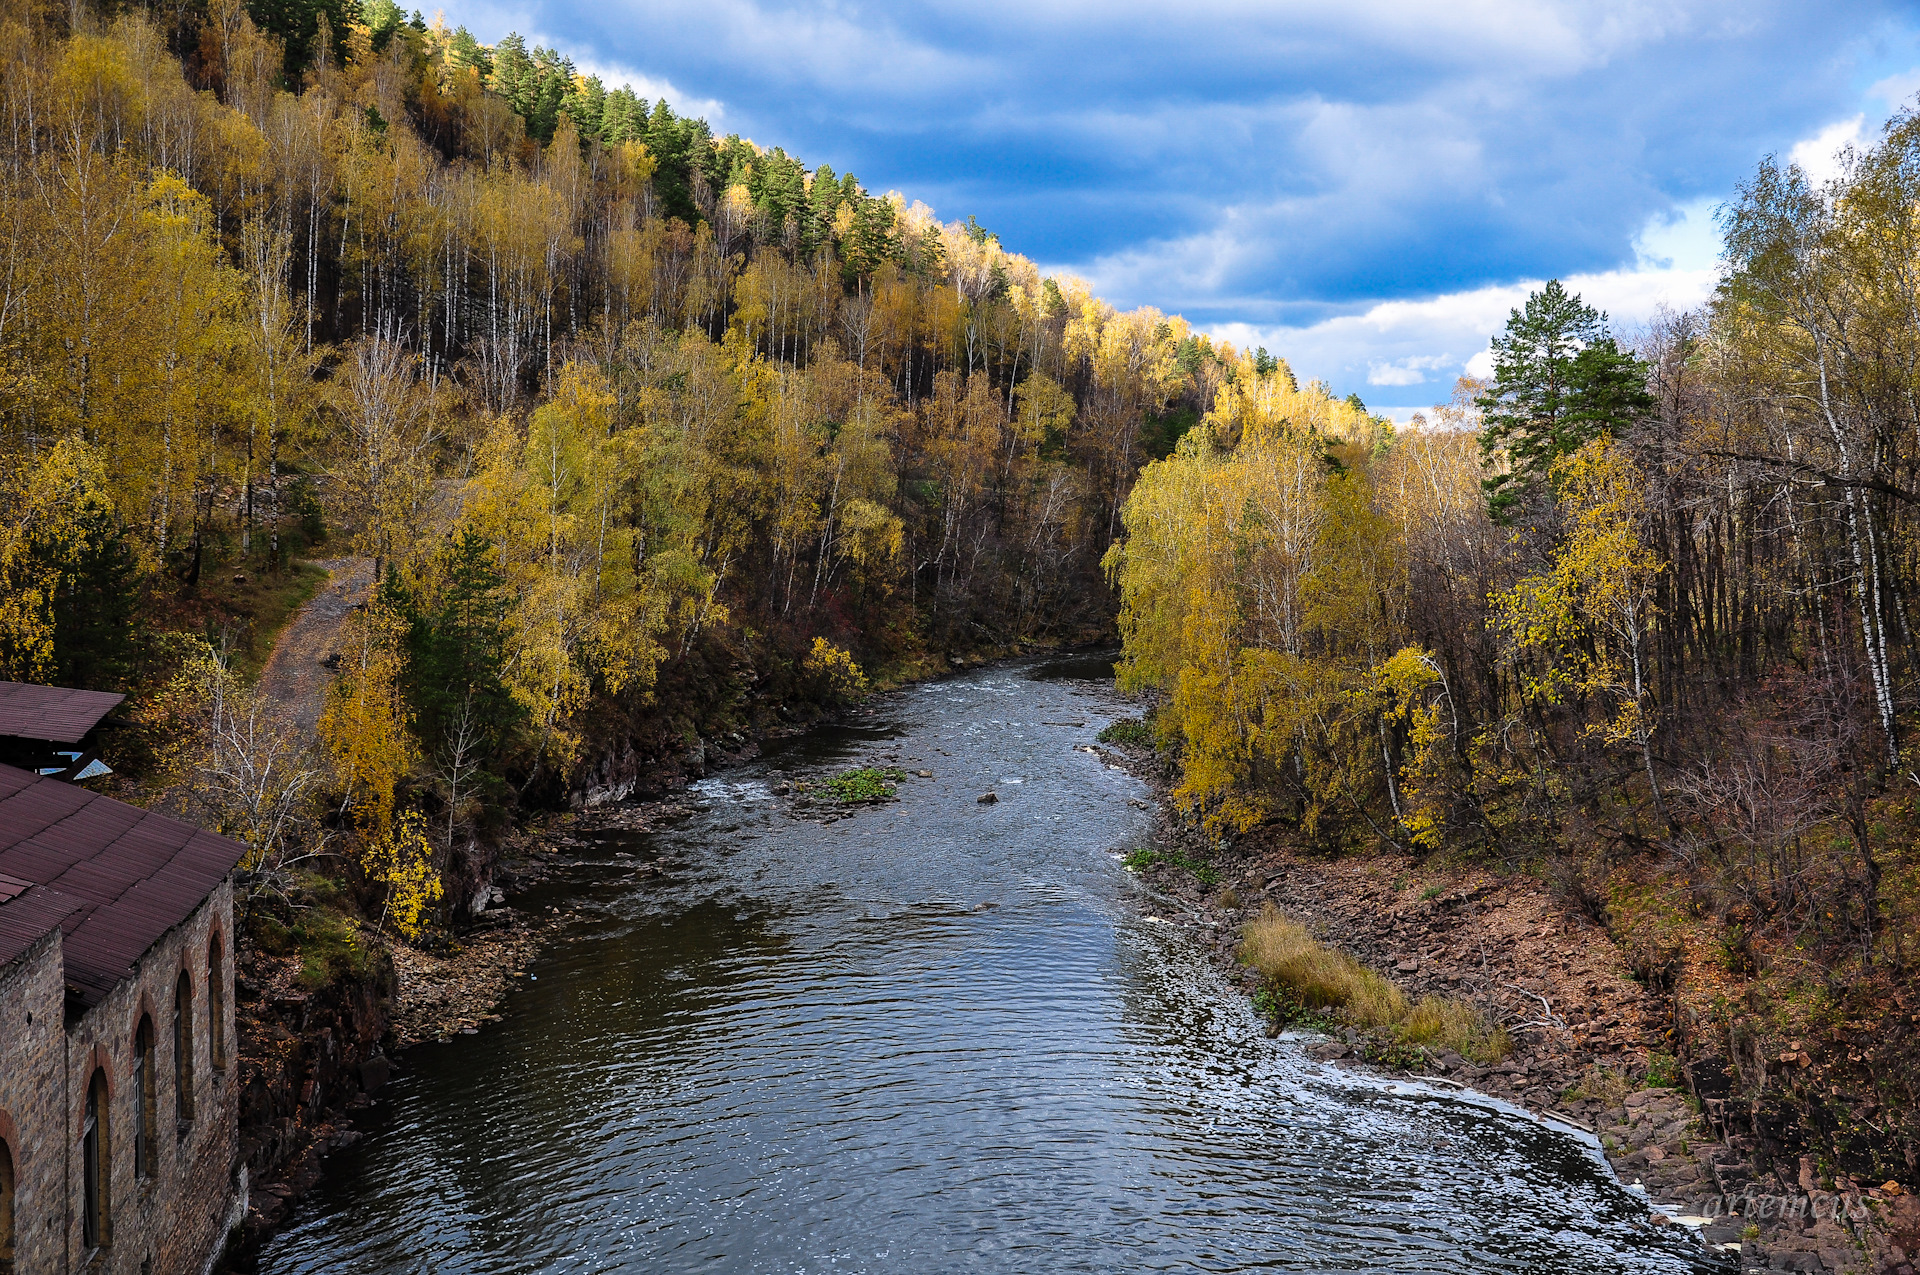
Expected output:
{"points": [[1592, 1048]]}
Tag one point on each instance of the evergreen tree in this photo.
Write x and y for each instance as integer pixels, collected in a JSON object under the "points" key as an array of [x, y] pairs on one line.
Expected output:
{"points": [[623, 117], [667, 141], [586, 102], [1559, 381], [464, 50], [296, 23], [94, 609], [381, 18], [823, 201], [456, 648]]}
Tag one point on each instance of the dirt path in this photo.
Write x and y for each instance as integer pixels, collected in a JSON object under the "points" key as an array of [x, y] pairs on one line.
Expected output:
{"points": [[296, 673]]}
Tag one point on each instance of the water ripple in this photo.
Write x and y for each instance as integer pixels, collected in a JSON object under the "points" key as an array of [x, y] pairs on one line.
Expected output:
{"points": [[811, 1049]]}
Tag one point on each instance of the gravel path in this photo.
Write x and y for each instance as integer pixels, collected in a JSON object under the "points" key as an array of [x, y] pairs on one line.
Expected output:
{"points": [[297, 674]]}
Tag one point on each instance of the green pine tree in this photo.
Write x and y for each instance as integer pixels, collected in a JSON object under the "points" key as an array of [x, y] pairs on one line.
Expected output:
{"points": [[1559, 381]]}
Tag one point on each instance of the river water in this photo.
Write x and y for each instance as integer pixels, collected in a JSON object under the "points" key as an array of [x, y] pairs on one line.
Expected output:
{"points": [[934, 1036]]}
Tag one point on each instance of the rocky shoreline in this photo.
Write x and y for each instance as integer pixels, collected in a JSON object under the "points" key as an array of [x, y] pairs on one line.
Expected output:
{"points": [[1592, 1047]]}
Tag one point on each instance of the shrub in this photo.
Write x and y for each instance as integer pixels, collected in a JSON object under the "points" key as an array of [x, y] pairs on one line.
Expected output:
{"points": [[330, 949], [834, 671], [1134, 731], [1663, 1071], [867, 784], [1140, 860]]}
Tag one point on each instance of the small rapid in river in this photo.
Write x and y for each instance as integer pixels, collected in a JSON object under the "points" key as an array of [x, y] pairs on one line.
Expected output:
{"points": [[934, 1036]]}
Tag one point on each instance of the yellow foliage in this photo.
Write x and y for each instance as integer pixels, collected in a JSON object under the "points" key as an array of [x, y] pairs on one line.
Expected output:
{"points": [[835, 669], [242, 762], [366, 728], [54, 507], [1425, 778], [1262, 589], [403, 862], [1591, 615]]}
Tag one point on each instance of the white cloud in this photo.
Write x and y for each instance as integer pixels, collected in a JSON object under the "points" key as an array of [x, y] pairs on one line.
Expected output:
{"points": [[1386, 343], [1819, 155], [1408, 371], [1897, 91], [1683, 239]]}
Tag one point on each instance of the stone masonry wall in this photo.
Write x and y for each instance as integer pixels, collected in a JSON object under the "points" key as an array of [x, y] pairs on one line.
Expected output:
{"points": [[32, 1102], [172, 1222]]}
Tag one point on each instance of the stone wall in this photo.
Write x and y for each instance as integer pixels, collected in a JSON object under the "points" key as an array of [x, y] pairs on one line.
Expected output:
{"points": [[173, 1221], [33, 1102]]}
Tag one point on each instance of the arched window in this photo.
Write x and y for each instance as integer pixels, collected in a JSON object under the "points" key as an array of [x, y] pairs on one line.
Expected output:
{"points": [[183, 1048], [6, 1210], [146, 1153], [96, 1163], [217, 1002]]}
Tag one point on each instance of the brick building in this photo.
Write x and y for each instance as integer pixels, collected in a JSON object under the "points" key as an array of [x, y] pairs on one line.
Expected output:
{"points": [[119, 1093]]}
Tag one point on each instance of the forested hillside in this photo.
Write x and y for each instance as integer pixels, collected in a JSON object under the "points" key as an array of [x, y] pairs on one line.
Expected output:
{"points": [[1644, 628], [635, 424]]}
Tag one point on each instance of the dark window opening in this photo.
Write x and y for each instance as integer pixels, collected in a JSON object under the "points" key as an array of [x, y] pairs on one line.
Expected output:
{"points": [[146, 1158], [183, 1048], [94, 1164], [217, 1002], [6, 1209]]}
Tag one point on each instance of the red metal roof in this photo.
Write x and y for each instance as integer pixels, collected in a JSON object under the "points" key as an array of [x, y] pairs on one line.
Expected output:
{"points": [[114, 877], [57, 714]]}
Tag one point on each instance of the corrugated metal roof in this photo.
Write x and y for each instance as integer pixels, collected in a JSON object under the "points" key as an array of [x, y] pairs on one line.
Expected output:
{"points": [[31, 915], [114, 877], [57, 714]]}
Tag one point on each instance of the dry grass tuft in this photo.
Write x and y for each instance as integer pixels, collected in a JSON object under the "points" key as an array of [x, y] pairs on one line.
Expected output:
{"points": [[1607, 1085], [1441, 1022], [1318, 977]]}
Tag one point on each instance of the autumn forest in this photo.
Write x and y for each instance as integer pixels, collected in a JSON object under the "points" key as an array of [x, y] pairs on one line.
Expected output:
{"points": [[651, 436]]}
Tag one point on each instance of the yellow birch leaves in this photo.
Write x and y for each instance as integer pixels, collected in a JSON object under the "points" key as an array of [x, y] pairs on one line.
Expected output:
{"points": [[57, 503], [1264, 586], [403, 862], [1591, 615], [365, 726]]}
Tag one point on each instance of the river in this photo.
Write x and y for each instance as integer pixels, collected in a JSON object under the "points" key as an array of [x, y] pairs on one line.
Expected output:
{"points": [[933, 1036]]}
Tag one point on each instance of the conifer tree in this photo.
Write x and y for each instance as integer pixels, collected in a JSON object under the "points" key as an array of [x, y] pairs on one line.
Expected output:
{"points": [[1559, 381]]}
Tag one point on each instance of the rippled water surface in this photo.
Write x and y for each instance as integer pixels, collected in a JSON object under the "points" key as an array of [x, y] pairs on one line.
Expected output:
{"points": [[935, 1036]]}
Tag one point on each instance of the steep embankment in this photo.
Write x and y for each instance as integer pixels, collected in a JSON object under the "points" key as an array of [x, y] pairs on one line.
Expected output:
{"points": [[1592, 1047]]}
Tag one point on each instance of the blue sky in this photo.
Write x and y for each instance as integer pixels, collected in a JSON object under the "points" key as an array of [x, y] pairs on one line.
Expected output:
{"points": [[1365, 187]]}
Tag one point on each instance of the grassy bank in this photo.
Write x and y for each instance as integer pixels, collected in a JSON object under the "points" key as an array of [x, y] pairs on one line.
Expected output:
{"points": [[1303, 978]]}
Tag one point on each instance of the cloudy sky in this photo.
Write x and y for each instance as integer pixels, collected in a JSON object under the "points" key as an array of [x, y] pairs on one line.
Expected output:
{"points": [[1363, 186]]}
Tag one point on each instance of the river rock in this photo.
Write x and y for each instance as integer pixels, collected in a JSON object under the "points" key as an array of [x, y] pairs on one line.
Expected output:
{"points": [[374, 1073], [987, 798]]}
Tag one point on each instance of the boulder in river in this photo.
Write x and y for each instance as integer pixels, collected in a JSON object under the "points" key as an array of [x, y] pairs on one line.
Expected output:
{"points": [[987, 798]]}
